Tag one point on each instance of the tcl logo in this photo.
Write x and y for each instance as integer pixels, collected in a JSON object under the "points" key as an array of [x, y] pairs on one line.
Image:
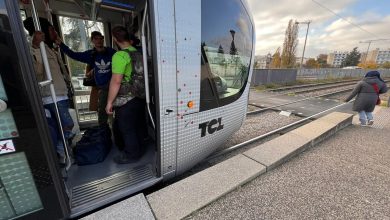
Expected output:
{"points": [[211, 126]]}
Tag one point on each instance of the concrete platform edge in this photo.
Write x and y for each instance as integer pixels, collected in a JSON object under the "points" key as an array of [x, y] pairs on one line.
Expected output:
{"points": [[336, 124], [199, 190]]}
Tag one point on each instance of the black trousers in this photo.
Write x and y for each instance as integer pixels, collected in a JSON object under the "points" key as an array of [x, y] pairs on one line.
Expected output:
{"points": [[129, 127]]}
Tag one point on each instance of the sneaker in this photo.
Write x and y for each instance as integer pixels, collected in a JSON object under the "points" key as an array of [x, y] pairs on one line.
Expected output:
{"points": [[370, 122], [123, 158]]}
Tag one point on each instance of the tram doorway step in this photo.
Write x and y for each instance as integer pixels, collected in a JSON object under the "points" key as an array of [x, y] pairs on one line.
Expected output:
{"points": [[87, 197]]}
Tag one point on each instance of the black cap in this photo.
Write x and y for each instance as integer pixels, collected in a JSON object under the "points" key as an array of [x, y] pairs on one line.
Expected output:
{"points": [[29, 25], [95, 34]]}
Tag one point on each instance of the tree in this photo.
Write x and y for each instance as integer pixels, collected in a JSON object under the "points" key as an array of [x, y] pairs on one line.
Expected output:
{"points": [[386, 65], [368, 65], [276, 60], [290, 45], [76, 34], [312, 63], [322, 61], [352, 58]]}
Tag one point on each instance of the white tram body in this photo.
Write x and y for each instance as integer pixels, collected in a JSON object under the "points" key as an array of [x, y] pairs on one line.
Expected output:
{"points": [[200, 56]]}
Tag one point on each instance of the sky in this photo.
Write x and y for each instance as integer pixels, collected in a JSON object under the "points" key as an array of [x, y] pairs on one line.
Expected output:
{"points": [[328, 32]]}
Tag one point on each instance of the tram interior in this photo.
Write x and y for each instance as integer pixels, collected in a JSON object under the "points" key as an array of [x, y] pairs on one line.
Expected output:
{"points": [[74, 20]]}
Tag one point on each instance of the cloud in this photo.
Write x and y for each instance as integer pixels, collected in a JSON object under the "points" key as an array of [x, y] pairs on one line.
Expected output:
{"points": [[328, 32]]}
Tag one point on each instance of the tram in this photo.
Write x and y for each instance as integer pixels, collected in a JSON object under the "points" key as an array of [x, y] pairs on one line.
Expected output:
{"points": [[199, 54]]}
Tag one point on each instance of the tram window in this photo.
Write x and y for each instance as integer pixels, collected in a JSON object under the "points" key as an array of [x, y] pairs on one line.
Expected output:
{"points": [[76, 34], [227, 48]]}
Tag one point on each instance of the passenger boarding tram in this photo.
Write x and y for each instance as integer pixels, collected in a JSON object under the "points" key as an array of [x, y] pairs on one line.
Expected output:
{"points": [[199, 56]]}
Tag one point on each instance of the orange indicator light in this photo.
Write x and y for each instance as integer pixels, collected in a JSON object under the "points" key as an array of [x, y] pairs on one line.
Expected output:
{"points": [[190, 104]]}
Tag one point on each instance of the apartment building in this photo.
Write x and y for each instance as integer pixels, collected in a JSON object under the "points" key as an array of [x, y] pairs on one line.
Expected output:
{"points": [[378, 56], [336, 58], [263, 62]]}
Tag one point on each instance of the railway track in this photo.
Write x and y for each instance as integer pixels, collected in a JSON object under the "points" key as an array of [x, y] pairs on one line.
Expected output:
{"points": [[280, 130], [293, 102], [300, 100], [309, 86]]}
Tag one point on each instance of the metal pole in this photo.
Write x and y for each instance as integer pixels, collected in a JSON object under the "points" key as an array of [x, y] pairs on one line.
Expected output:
{"points": [[145, 58], [48, 11], [51, 86], [304, 46], [368, 48]]}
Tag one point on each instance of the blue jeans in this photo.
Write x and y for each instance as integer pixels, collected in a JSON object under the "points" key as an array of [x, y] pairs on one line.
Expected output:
{"points": [[66, 121], [365, 116], [129, 127]]}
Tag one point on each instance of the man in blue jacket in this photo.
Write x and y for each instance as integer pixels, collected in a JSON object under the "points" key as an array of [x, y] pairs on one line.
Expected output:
{"points": [[99, 58]]}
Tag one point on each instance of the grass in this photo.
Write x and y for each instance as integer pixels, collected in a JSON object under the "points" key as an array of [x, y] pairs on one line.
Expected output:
{"points": [[383, 103]]}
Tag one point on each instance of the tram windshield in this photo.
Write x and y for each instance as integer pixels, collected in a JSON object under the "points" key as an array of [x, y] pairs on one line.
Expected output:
{"points": [[227, 37]]}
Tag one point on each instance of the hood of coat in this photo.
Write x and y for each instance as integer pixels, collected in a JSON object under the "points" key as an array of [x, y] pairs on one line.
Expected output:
{"points": [[371, 80]]}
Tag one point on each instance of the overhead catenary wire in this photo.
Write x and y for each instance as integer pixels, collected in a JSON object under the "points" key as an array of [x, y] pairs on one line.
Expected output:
{"points": [[355, 25]]}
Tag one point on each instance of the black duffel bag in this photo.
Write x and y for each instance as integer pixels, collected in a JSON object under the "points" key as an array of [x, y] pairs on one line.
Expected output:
{"points": [[94, 146]]}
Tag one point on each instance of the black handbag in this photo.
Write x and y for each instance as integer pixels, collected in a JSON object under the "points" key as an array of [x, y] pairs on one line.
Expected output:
{"points": [[90, 80]]}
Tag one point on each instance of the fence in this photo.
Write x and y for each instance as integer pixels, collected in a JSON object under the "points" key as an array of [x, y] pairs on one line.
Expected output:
{"points": [[335, 73], [268, 76], [283, 76]]}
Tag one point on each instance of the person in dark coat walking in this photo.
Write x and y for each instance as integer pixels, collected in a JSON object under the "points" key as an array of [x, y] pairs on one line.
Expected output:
{"points": [[367, 94]]}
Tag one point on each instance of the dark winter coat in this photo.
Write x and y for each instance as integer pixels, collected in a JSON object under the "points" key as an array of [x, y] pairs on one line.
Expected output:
{"points": [[366, 96]]}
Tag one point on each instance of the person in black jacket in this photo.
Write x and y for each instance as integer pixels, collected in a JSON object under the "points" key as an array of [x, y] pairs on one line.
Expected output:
{"points": [[99, 58], [367, 95]]}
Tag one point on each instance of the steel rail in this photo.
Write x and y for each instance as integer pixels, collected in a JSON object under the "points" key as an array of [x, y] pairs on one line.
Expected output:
{"points": [[293, 102], [309, 85], [310, 89], [250, 141]]}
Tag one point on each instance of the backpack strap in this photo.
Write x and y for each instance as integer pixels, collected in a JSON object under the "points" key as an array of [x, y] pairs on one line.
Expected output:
{"points": [[376, 88], [132, 59]]}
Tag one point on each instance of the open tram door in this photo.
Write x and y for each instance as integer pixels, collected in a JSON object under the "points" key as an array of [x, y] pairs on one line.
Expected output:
{"points": [[32, 184]]}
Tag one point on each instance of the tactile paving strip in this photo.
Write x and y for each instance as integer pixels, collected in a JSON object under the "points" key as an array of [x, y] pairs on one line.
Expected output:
{"points": [[382, 119]]}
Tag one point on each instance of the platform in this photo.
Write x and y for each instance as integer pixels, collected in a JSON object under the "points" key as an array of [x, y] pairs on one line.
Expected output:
{"points": [[329, 168], [344, 177], [189, 195]]}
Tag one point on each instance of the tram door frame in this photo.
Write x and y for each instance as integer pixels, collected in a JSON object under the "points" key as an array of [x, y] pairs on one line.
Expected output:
{"points": [[166, 108], [30, 82]]}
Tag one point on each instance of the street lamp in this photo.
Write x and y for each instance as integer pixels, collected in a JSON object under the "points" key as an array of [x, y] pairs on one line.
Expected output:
{"points": [[307, 32], [233, 49]]}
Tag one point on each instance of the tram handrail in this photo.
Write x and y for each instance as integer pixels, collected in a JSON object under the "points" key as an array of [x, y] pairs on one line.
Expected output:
{"points": [[51, 85], [145, 60]]}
